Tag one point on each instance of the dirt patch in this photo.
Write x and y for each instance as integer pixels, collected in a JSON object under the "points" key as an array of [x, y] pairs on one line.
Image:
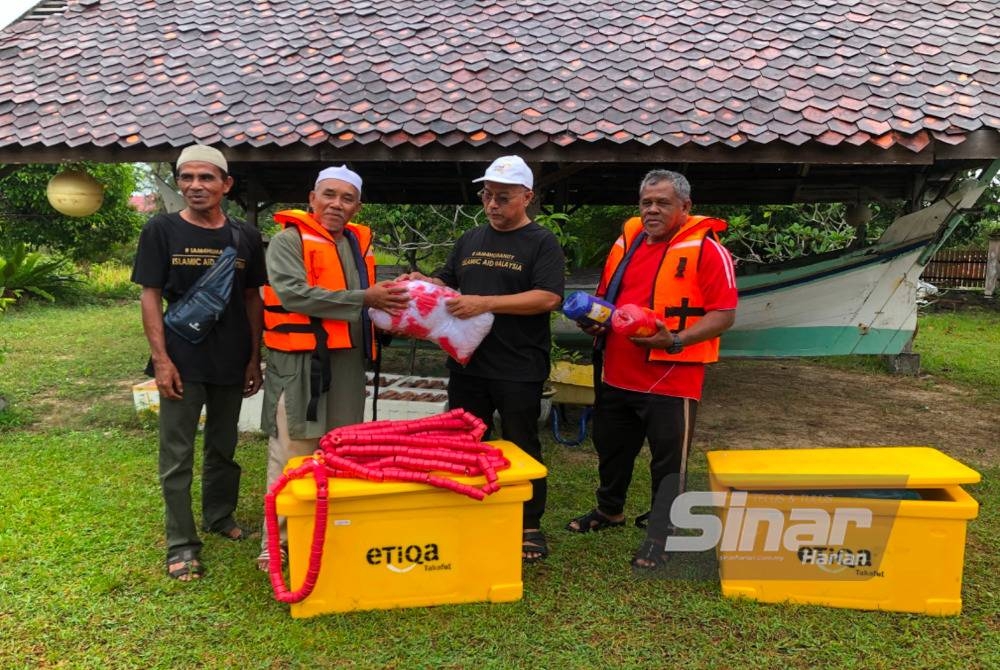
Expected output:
{"points": [[55, 408], [797, 404]]}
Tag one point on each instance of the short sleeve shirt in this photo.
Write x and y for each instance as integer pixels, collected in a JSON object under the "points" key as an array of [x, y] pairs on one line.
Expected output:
{"points": [[486, 261], [171, 256], [625, 364]]}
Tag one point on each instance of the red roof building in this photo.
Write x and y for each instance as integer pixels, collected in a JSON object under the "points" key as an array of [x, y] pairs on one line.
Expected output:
{"points": [[776, 101]]}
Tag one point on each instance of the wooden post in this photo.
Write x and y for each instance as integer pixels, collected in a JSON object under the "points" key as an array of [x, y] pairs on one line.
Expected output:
{"points": [[992, 266]]}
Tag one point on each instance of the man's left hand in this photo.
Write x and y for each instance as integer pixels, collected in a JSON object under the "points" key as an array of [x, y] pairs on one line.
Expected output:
{"points": [[661, 339]]}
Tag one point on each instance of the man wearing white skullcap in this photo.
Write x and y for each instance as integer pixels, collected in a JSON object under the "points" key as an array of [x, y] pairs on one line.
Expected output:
{"points": [[321, 275], [217, 372]]}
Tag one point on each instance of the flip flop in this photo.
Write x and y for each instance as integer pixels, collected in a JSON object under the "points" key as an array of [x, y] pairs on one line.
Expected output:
{"points": [[592, 521]]}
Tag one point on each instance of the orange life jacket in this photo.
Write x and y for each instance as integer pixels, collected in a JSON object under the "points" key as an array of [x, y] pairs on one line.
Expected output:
{"points": [[290, 331], [675, 295]]}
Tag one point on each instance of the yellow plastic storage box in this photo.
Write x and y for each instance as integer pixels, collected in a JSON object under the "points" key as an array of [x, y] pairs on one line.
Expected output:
{"points": [[879, 528], [410, 545], [573, 383]]}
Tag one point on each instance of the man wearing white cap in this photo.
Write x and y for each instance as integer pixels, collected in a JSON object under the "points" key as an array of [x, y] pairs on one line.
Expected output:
{"points": [[515, 269], [321, 276], [174, 251]]}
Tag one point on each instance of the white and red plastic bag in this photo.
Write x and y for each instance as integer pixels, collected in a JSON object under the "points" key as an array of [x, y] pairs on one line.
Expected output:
{"points": [[427, 318]]}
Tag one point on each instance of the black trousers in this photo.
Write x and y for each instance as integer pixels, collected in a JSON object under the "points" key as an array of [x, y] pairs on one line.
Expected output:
{"points": [[519, 405], [623, 420], [220, 474]]}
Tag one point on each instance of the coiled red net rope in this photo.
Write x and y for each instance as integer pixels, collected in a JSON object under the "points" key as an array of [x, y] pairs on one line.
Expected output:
{"points": [[380, 451]]}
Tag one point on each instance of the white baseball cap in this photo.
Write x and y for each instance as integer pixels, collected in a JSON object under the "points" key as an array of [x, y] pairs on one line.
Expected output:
{"points": [[509, 170]]}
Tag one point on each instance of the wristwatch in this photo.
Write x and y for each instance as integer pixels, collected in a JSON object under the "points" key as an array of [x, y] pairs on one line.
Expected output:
{"points": [[677, 346]]}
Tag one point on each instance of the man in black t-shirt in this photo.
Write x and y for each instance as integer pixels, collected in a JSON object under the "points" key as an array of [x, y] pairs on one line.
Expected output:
{"points": [[218, 372], [514, 268]]}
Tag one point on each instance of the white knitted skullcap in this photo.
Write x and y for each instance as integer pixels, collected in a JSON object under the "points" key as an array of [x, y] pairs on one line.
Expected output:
{"points": [[343, 174], [205, 154]]}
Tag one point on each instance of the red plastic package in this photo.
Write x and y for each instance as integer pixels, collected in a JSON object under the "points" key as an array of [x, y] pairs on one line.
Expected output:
{"points": [[427, 318], [634, 321]]}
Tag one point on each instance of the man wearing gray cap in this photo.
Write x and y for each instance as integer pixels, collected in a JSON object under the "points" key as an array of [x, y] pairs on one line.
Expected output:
{"points": [[515, 269], [217, 372], [321, 276]]}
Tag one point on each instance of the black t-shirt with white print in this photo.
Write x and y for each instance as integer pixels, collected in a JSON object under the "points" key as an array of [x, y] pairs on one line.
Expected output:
{"points": [[171, 256], [486, 261]]}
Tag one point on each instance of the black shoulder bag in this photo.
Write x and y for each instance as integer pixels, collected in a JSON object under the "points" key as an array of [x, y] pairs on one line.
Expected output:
{"points": [[193, 316]]}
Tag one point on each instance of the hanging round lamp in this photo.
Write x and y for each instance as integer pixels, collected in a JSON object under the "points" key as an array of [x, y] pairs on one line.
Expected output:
{"points": [[75, 193]]}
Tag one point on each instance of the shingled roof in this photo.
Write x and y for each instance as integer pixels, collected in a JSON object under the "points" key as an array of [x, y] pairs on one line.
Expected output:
{"points": [[797, 94]]}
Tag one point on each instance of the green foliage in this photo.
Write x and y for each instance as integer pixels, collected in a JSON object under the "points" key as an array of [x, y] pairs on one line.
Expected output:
{"points": [[990, 228], [419, 235], [557, 224], [765, 243], [979, 224], [776, 233], [586, 233], [4, 303], [110, 280], [32, 273], [26, 215]]}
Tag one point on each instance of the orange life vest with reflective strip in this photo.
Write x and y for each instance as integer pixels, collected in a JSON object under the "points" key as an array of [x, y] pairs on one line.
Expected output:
{"points": [[290, 331], [676, 295]]}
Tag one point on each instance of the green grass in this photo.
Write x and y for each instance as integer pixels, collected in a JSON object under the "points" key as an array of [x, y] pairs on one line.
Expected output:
{"points": [[956, 345], [81, 358], [82, 583], [961, 347]]}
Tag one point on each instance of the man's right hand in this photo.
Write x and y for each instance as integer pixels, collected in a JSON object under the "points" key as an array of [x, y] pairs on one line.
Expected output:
{"points": [[592, 330], [388, 296], [168, 380]]}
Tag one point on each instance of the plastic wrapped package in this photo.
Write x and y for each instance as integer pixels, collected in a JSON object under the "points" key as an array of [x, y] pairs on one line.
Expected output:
{"points": [[427, 318], [635, 321]]}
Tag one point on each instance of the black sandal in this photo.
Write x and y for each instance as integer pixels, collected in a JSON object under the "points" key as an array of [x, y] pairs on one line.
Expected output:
{"points": [[533, 542], [593, 520], [190, 566], [642, 521], [652, 553]]}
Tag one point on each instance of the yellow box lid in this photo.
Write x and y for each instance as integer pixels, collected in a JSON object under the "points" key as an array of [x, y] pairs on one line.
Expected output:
{"points": [[858, 467], [522, 469], [574, 374]]}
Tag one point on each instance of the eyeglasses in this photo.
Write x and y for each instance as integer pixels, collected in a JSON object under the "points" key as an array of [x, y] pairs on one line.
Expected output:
{"points": [[501, 199]]}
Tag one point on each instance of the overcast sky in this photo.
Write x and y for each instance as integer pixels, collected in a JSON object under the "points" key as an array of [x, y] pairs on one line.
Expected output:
{"points": [[11, 9]]}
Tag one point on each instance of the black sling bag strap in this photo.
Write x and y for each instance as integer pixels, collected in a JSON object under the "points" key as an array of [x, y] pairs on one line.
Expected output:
{"points": [[611, 294], [320, 376], [194, 316]]}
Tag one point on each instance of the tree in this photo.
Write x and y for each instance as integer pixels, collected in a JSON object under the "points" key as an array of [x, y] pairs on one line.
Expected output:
{"points": [[418, 235], [26, 215]]}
